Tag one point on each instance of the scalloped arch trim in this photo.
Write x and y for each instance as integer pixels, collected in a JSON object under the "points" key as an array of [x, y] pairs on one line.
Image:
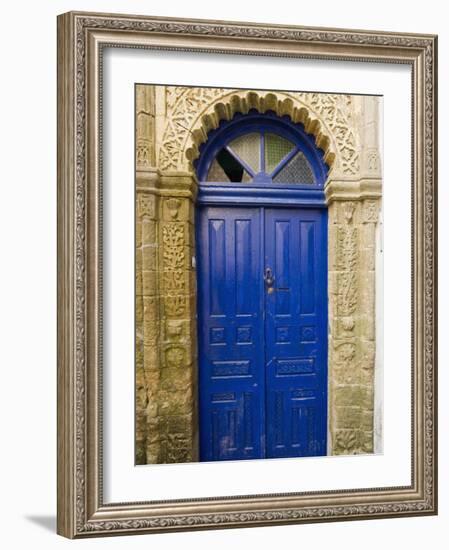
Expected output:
{"points": [[225, 109]]}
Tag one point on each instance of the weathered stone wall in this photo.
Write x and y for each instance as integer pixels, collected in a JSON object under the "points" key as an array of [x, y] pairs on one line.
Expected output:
{"points": [[172, 122], [353, 209], [352, 324], [166, 415], [165, 312], [146, 293]]}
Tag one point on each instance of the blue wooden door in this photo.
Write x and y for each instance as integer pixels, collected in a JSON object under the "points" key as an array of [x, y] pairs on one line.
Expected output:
{"points": [[262, 313], [231, 334], [295, 332]]}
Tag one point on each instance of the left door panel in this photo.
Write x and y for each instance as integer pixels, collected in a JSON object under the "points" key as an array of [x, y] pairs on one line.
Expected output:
{"points": [[230, 334]]}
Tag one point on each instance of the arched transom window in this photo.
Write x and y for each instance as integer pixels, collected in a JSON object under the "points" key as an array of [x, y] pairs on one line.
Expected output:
{"points": [[258, 153], [261, 149]]}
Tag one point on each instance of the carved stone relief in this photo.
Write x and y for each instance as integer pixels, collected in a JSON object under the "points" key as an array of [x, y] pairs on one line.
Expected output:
{"points": [[351, 339], [173, 238], [183, 106], [195, 111], [337, 111]]}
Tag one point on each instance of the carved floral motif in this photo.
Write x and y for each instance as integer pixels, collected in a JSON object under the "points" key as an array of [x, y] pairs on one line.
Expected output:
{"points": [[347, 258], [173, 240], [183, 105], [336, 110], [347, 296], [346, 442], [174, 281], [175, 306]]}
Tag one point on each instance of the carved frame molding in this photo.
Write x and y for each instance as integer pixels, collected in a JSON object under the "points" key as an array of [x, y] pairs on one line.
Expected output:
{"points": [[81, 37]]}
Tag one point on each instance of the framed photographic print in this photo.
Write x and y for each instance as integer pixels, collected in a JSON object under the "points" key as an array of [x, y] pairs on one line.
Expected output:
{"points": [[247, 274]]}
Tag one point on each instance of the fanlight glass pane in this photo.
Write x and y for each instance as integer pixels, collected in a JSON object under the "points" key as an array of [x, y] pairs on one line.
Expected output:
{"points": [[297, 170], [247, 148], [216, 173], [276, 147], [225, 168], [246, 178]]}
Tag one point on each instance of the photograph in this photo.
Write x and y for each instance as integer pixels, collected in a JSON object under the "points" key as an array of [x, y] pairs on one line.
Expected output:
{"points": [[246, 281], [258, 265]]}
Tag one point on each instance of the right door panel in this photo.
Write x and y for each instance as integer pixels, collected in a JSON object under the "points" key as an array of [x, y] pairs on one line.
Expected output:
{"points": [[296, 332]]}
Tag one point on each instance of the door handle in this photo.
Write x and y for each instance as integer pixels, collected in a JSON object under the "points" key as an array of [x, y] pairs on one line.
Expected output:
{"points": [[268, 277]]}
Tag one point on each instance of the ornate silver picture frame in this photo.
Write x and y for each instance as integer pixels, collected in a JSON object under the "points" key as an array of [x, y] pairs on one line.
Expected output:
{"points": [[82, 40]]}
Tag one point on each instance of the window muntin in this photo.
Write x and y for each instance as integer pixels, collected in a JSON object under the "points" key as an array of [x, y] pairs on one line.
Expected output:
{"points": [[276, 148], [256, 154], [247, 148], [227, 168]]}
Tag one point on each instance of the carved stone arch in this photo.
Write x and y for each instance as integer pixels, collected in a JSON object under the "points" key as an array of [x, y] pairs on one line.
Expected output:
{"points": [[192, 112], [226, 106]]}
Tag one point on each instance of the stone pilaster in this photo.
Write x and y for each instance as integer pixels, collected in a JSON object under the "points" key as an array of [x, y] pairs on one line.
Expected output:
{"points": [[146, 316], [352, 205], [343, 301], [177, 394], [367, 285], [166, 353], [145, 127]]}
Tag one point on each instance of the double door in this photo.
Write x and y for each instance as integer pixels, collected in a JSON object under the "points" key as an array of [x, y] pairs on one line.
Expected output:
{"points": [[262, 327]]}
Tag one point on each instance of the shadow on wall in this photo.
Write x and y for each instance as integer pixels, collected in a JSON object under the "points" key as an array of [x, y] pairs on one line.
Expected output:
{"points": [[46, 522]]}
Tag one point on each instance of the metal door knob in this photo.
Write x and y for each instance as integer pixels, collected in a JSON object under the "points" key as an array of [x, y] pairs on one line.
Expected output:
{"points": [[268, 277]]}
